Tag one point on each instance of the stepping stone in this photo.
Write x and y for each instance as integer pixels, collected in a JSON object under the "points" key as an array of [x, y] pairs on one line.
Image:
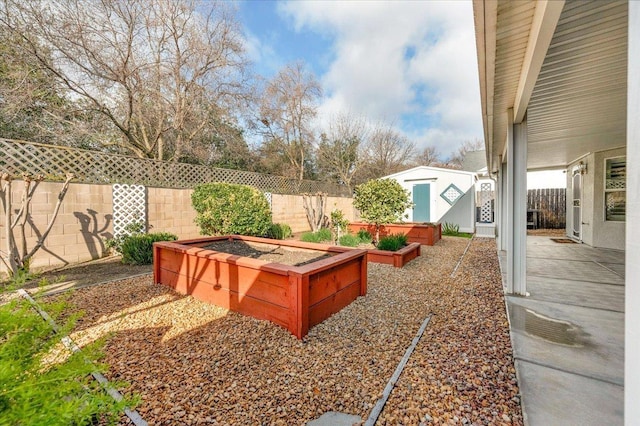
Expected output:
{"points": [[333, 418]]}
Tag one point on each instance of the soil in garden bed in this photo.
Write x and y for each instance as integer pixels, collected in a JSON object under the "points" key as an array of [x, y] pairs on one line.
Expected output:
{"points": [[269, 252]]}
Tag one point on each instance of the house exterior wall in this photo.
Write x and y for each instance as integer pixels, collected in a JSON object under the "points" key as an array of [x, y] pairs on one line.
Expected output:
{"points": [[596, 231], [606, 234], [439, 179]]}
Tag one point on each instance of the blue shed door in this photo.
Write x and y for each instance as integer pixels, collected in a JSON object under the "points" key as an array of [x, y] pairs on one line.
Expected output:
{"points": [[422, 201]]}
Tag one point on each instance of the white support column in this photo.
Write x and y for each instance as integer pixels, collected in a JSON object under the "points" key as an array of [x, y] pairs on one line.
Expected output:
{"points": [[517, 207], [632, 250], [504, 216]]}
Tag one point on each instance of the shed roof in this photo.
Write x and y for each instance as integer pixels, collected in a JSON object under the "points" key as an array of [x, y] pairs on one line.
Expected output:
{"points": [[430, 169]]}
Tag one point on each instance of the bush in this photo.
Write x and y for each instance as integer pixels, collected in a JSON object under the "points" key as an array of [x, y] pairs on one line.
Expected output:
{"points": [[36, 392], [381, 201], [225, 209], [279, 231], [322, 235], [309, 237], [450, 229], [133, 228], [364, 236], [339, 224], [138, 249], [349, 240], [392, 242], [453, 230]]}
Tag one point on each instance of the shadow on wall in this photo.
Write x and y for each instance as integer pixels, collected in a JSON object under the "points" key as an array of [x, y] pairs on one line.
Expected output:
{"points": [[93, 235]]}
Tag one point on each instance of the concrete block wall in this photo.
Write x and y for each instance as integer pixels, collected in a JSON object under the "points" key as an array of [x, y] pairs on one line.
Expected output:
{"points": [[83, 223], [169, 210], [85, 218], [289, 209]]}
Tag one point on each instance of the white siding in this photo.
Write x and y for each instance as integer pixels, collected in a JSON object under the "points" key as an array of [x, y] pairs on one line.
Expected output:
{"points": [[439, 179]]}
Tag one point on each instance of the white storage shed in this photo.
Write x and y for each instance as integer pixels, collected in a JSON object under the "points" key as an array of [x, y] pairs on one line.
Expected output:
{"points": [[440, 195]]}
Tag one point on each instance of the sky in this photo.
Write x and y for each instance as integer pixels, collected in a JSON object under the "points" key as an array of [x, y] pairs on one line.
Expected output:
{"points": [[409, 63]]}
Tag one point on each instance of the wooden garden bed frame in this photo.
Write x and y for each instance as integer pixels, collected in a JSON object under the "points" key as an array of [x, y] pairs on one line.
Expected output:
{"points": [[424, 233], [295, 297], [397, 258]]}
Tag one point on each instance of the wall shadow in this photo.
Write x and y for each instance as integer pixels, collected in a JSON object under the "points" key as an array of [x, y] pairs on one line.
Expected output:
{"points": [[93, 234]]}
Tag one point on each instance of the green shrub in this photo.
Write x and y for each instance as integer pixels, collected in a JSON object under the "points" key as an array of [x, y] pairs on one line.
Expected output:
{"points": [[279, 231], [392, 242], [339, 224], [349, 240], [309, 237], [453, 230], [381, 201], [450, 229], [35, 392], [225, 209], [364, 236], [138, 249], [320, 236], [133, 228], [324, 234]]}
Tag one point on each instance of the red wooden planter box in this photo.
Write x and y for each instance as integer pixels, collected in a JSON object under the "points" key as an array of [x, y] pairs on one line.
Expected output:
{"points": [[427, 234], [295, 297], [396, 258]]}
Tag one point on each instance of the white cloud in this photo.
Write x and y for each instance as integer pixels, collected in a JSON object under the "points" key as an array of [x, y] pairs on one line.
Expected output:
{"points": [[394, 60]]}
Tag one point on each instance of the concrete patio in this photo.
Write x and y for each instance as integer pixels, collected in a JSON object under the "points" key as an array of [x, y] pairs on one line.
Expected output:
{"points": [[568, 334]]}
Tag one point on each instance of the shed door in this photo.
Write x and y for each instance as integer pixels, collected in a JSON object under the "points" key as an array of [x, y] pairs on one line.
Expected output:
{"points": [[422, 201]]}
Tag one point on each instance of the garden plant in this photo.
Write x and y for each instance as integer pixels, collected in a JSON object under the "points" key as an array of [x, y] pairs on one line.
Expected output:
{"points": [[381, 201], [36, 389], [225, 209]]}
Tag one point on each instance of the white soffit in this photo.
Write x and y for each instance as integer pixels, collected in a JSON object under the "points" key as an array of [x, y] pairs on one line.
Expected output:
{"points": [[509, 24], [579, 101]]}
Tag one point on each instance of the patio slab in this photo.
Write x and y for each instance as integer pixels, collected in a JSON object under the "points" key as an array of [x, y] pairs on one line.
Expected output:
{"points": [[568, 334], [555, 397], [578, 293], [585, 341]]}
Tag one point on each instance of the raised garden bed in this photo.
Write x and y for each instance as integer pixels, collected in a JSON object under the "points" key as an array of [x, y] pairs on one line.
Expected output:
{"points": [[423, 233], [397, 258], [325, 280]]}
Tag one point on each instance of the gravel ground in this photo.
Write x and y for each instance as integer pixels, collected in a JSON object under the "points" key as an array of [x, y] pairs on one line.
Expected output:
{"points": [[194, 363]]}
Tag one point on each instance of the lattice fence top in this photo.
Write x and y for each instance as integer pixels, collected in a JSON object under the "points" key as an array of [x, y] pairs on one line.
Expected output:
{"points": [[18, 157]]}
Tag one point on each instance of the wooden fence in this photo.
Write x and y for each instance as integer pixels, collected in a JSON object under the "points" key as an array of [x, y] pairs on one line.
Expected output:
{"points": [[549, 205]]}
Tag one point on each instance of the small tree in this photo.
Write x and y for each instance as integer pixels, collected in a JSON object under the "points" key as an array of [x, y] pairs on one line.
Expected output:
{"points": [[314, 205], [17, 256], [381, 201], [339, 224], [225, 208]]}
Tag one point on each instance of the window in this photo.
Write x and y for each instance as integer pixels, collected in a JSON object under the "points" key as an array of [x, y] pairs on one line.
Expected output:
{"points": [[615, 185]]}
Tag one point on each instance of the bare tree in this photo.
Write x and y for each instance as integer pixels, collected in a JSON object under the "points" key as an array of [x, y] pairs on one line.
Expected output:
{"points": [[429, 156], [314, 206], [386, 152], [157, 71], [287, 108], [339, 153], [17, 255], [456, 159]]}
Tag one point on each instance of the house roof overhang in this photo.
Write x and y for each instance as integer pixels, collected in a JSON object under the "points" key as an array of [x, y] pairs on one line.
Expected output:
{"points": [[560, 64]]}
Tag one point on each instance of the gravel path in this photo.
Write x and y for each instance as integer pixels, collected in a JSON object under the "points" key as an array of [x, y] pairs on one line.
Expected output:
{"points": [[194, 363]]}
